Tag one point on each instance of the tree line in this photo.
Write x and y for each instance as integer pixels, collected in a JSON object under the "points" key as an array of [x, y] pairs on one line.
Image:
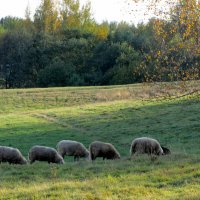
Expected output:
{"points": [[64, 46]]}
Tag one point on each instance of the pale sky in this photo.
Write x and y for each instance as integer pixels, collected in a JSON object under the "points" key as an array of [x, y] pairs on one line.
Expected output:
{"points": [[110, 10]]}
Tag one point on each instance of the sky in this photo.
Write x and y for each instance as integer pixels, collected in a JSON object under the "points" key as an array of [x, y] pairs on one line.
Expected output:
{"points": [[102, 10]]}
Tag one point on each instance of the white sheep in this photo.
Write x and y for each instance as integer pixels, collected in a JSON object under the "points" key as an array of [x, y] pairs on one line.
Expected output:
{"points": [[42, 153], [72, 148], [105, 150], [11, 155], [145, 145]]}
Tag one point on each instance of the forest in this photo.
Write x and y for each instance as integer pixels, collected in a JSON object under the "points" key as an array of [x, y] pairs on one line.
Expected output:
{"points": [[64, 46]]}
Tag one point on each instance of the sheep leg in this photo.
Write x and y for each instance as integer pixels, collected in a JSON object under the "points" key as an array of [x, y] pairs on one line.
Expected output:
{"points": [[153, 157], [63, 155], [92, 157], [134, 155], [32, 161], [75, 158]]}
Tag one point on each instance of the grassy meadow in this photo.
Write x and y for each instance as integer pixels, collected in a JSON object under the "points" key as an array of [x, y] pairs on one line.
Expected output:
{"points": [[168, 112]]}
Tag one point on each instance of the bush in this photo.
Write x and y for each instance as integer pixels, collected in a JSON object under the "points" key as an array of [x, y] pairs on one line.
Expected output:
{"points": [[58, 74]]}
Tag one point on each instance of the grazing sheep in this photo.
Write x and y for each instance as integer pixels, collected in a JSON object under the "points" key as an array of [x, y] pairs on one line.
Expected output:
{"points": [[166, 151], [42, 153], [11, 155], [72, 148], [145, 145], [105, 150]]}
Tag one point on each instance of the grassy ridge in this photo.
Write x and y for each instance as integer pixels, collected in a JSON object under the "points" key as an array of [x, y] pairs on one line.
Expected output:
{"points": [[45, 98], [117, 118]]}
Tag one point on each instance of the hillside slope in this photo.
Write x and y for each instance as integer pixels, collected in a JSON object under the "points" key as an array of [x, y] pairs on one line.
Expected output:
{"points": [[116, 114]]}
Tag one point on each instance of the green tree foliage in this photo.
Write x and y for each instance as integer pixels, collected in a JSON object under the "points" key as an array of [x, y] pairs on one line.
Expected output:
{"points": [[2, 30], [14, 59], [46, 17], [126, 63], [58, 73], [12, 23], [73, 16], [63, 45]]}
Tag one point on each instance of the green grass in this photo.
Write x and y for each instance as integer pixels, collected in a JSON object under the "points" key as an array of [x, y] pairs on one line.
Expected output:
{"points": [[115, 114]]}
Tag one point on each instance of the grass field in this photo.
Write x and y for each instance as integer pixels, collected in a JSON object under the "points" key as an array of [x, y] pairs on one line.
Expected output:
{"points": [[115, 114]]}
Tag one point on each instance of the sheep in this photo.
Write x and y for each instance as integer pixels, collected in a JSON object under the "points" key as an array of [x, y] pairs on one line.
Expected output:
{"points": [[145, 145], [11, 155], [166, 151], [101, 149], [42, 153], [72, 148]]}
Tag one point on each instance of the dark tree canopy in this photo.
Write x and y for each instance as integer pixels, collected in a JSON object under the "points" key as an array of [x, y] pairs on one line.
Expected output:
{"points": [[64, 46]]}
